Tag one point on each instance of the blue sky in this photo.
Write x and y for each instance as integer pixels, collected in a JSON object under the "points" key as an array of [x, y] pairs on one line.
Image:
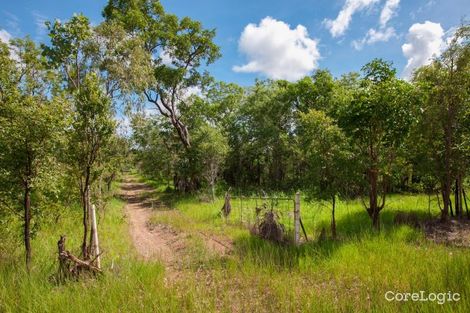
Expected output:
{"points": [[340, 35]]}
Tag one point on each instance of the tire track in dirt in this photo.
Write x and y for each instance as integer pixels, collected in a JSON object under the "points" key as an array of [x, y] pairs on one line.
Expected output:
{"points": [[158, 242]]}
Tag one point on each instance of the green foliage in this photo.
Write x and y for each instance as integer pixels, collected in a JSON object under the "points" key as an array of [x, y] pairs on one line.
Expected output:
{"points": [[328, 156], [169, 55], [443, 130], [31, 129]]}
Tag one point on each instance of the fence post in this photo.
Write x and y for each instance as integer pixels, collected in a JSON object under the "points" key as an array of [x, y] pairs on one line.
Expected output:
{"points": [[297, 219], [95, 247], [227, 205]]}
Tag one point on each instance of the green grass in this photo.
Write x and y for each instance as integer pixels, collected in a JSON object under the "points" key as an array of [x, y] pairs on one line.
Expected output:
{"points": [[128, 285], [351, 274]]}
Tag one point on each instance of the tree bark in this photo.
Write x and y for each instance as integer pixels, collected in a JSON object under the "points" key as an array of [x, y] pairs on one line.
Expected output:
{"points": [[457, 198], [86, 203], [446, 200], [450, 208], [373, 209], [27, 224]]}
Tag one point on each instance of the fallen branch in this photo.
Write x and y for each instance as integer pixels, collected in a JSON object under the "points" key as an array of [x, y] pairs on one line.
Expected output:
{"points": [[79, 264]]}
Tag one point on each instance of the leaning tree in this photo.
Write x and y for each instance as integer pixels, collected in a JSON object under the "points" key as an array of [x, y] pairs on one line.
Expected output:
{"points": [[165, 56]]}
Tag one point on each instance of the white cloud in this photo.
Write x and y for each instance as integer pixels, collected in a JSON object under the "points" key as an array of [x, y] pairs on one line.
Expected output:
{"points": [[388, 12], [424, 41], [193, 90], [373, 36], [278, 51], [384, 33], [5, 36], [166, 58], [338, 26]]}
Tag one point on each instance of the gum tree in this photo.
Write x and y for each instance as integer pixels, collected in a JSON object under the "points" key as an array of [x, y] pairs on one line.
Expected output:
{"points": [[444, 128], [165, 55], [74, 53], [31, 119], [378, 120], [329, 160]]}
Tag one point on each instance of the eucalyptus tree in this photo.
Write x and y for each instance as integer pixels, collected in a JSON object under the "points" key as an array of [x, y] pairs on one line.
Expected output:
{"points": [[214, 149], [74, 51], [31, 124], [165, 56], [377, 120], [226, 100], [444, 127], [149, 139], [329, 159]]}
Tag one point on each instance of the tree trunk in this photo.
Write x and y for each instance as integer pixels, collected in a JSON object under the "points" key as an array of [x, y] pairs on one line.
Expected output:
{"points": [[86, 218], [450, 208], [457, 198], [27, 224], [376, 221], [373, 192], [85, 223], [464, 196], [446, 200], [460, 195], [429, 205], [446, 192], [110, 180], [333, 220], [213, 191]]}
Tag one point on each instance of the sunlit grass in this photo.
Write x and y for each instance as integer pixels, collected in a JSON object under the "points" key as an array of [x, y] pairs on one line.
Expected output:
{"points": [[351, 274]]}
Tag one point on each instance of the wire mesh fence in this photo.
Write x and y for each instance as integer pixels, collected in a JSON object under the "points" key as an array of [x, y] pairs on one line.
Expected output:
{"points": [[250, 211]]}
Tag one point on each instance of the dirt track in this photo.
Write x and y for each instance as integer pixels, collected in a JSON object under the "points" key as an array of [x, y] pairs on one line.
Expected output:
{"points": [[158, 242]]}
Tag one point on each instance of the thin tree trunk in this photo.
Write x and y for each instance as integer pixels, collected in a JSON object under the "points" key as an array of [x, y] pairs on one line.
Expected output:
{"points": [[445, 199], [86, 210], [376, 221], [373, 207], [461, 200], [27, 224], [450, 208], [333, 220], [429, 205], [464, 195], [213, 191], [457, 198], [85, 223]]}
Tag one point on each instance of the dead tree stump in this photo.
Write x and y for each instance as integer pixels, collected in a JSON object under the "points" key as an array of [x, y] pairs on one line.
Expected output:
{"points": [[71, 267]]}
